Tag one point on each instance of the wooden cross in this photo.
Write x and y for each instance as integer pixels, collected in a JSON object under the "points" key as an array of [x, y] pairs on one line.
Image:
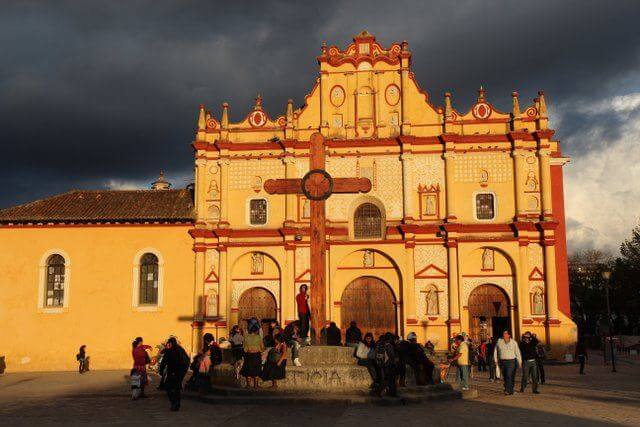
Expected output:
{"points": [[317, 185]]}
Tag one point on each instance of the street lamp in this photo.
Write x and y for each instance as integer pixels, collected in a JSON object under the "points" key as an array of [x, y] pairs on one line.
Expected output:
{"points": [[606, 275]]}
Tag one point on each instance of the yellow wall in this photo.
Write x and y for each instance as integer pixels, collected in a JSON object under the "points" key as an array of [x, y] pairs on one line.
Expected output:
{"points": [[100, 312]]}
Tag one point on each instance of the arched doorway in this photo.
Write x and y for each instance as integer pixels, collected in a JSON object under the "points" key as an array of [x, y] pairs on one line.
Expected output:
{"points": [[258, 303], [488, 312], [371, 303]]}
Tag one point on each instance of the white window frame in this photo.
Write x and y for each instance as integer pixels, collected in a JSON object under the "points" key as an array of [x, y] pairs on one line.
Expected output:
{"points": [[248, 211], [475, 206], [135, 302], [42, 282]]}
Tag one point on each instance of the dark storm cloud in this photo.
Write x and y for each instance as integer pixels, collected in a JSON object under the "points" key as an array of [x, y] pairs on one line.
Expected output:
{"points": [[98, 91]]}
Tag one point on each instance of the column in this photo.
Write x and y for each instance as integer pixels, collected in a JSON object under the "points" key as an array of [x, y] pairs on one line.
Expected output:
{"points": [[454, 300], [198, 301], [287, 287], [224, 285], [290, 199], [324, 107], [409, 288], [550, 280], [407, 184], [518, 157], [449, 173], [224, 190], [522, 285], [201, 190], [545, 183]]}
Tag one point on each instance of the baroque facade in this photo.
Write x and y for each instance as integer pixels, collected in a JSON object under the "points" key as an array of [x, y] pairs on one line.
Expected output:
{"points": [[463, 229]]}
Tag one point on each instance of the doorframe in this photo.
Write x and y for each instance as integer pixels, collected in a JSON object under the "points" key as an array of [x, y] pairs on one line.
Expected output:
{"points": [[509, 307]]}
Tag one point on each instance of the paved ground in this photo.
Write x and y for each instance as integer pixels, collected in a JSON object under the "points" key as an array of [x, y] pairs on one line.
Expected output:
{"points": [[598, 399]]}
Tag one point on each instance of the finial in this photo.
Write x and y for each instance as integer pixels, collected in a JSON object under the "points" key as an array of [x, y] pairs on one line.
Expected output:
{"points": [[543, 104], [224, 121], [258, 100], [202, 121], [481, 94], [290, 111], [324, 48], [516, 105], [447, 106], [405, 45], [160, 183]]}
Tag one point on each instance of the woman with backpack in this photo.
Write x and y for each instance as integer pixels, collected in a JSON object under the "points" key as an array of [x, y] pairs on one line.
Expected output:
{"points": [[365, 352], [275, 367]]}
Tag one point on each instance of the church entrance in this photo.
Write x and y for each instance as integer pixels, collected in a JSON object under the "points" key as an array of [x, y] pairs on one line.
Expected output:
{"points": [[258, 303], [370, 302], [488, 313]]}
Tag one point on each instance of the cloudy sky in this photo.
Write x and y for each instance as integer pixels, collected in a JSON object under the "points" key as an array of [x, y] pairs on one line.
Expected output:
{"points": [[98, 94]]}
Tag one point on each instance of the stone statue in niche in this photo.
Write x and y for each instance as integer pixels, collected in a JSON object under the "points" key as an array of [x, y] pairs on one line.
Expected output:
{"points": [[212, 305], [484, 176], [531, 184], [538, 303], [257, 184], [214, 212], [257, 263], [487, 259], [213, 189], [306, 209], [430, 205], [367, 259], [432, 302]]}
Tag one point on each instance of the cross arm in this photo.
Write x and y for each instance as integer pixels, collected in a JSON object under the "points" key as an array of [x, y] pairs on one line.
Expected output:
{"points": [[351, 185], [283, 186]]}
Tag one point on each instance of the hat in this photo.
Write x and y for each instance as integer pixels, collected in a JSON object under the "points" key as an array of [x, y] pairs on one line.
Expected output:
{"points": [[412, 336]]}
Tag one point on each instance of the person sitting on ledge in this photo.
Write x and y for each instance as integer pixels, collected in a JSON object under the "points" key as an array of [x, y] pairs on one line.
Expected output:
{"points": [[365, 352], [353, 336], [293, 339], [334, 336]]}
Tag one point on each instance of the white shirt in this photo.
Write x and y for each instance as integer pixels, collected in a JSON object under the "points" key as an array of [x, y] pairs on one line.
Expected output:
{"points": [[507, 351]]}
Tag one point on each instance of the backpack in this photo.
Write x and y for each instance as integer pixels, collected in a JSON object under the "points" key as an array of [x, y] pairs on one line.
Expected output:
{"points": [[381, 355]]}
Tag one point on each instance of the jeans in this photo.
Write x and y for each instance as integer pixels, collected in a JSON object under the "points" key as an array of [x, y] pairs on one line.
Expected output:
{"points": [[508, 368], [529, 368], [464, 371], [482, 364], [304, 324], [295, 348], [581, 360], [541, 369], [372, 367], [492, 369], [173, 385]]}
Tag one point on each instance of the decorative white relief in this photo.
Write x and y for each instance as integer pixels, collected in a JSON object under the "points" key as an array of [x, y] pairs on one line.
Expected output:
{"points": [[302, 166], [421, 287], [428, 169], [430, 254], [240, 286], [535, 257], [469, 284], [213, 257], [302, 260], [243, 173], [471, 166]]}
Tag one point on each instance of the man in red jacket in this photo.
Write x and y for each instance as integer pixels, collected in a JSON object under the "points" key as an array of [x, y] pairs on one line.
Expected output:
{"points": [[304, 314]]}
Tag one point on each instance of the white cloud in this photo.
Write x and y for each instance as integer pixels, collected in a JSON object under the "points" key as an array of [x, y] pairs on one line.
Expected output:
{"points": [[601, 185], [119, 184]]}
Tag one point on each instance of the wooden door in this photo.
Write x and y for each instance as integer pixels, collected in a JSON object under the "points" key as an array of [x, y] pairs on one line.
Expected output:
{"points": [[258, 303], [486, 304], [370, 302]]}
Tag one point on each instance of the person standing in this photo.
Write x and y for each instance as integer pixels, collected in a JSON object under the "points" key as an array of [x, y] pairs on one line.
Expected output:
{"points": [[353, 335], [140, 361], [304, 313], [387, 361], [176, 361], [275, 367], [507, 356], [529, 362], [581, 354], [253, 348], [490, 361], [482, 356], [462, 358], [541, 354]]}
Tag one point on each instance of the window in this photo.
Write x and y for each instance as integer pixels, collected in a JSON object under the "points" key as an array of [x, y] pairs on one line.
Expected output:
{"points": [[367, 222], [258, 212], [148, 280], [485, 206], [54, 296]]}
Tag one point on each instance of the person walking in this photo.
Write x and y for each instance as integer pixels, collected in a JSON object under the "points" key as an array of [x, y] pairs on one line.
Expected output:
{"points": [[529, 363], [176, 361], [276, 364], [365, 353], [541, 354], [353, 335], [83, 359], [581, 354], [140, 361], [490, 360], [253, 348], [461, 357], [304, 313], [507, 355]]}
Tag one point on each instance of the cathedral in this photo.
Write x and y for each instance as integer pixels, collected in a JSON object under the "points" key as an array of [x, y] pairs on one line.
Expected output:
{"points": [[461, 230]]}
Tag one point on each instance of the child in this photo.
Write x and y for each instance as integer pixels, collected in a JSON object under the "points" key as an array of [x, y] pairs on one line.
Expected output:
{"points": [[136, 381], [203, 371], [83, 360]]}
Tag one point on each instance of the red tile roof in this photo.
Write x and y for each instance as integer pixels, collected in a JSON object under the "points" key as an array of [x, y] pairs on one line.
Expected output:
{"points": [[105, 206]]}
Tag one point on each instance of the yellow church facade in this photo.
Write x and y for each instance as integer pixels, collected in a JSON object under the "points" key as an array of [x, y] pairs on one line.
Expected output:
{"points": [[463, 229]]}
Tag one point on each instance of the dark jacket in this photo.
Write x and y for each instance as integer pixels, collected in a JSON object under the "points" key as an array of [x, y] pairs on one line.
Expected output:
{"points": [[334, 336], [528, 350], [175, 360], [353, 335]]}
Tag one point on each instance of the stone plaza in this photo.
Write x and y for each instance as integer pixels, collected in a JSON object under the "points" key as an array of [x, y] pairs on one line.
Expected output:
{"points": [[599, 398]]}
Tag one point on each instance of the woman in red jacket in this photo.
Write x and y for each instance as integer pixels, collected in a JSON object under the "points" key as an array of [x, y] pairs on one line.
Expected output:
{"points": [[140, 360]]}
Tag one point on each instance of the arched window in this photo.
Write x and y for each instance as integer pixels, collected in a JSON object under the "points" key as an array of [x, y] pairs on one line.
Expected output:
{"points": [[54, 294], [367, 222], [148, 279], [485, 206]]}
